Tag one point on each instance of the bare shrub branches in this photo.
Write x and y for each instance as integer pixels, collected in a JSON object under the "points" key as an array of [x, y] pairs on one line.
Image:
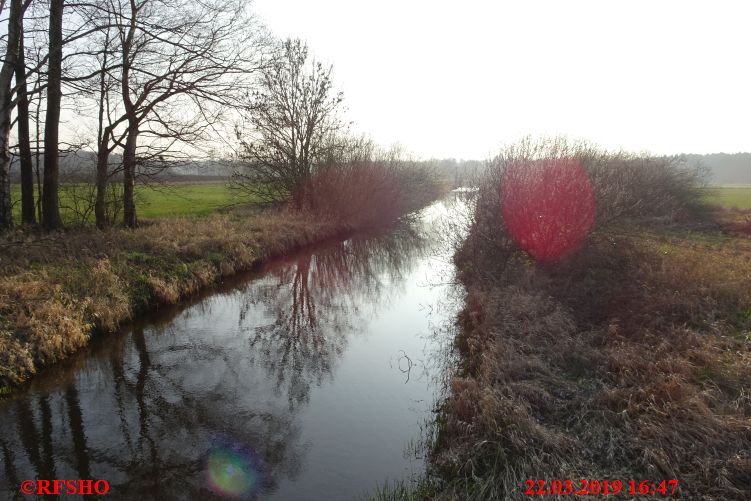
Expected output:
{"points": [[292, 119], [626, 185]]}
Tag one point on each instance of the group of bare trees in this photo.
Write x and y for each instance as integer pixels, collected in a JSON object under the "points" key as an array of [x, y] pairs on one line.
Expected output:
{"points": [[6, 104], [156, 78], [158, 83]]}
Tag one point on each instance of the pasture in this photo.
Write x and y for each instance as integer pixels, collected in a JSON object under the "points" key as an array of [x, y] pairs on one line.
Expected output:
{"points": [[729, 196], [152, 201]]}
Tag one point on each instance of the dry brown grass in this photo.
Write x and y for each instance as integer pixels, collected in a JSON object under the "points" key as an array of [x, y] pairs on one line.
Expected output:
{"points": [[56, 289], [631, 359], [735, 221]]}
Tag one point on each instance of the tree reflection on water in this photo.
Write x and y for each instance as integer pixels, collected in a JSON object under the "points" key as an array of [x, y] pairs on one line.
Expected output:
{"points": [[147, 409], [314, 302]]}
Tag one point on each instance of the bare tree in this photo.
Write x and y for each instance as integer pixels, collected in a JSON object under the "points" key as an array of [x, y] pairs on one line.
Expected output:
{"points": [[31, 88], [103, 48], [6, 107], [50, 199], [292, 119], [24, 143], [106, 141], [163, 74]]}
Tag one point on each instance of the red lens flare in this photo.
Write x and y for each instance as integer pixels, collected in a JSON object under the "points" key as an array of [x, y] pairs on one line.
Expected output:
{"points": [[548, 206]]}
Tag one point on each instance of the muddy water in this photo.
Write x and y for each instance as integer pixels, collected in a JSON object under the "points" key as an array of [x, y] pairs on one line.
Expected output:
{"points": [[308, 379]]}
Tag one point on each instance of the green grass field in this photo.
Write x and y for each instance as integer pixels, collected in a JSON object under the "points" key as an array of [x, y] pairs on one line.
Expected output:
{"points": [[729, 197], [197, 199], [155, 202]]}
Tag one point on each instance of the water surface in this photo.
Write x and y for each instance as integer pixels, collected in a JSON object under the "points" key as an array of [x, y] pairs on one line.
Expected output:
{"points": [[307, 379]]}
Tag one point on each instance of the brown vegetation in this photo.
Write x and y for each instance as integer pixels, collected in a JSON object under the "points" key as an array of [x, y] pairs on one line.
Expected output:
{"points": [[735, 221], [369, 193], [628, 360], [55, 289]]}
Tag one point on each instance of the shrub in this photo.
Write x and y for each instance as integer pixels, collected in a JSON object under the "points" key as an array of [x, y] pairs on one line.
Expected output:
{"points": [[369, 192], [625, 187]]}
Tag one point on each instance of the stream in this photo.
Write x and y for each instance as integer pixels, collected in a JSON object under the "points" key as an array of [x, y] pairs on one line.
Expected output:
{"points": [[310, 378]]}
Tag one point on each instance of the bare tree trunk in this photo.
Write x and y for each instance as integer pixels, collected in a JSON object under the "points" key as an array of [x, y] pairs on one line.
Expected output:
{"points": [[6, 107], [6, 215], [129, 175], [38, 156], [102, 157], [24, 145], [102, 153], [102, 160], [131, 142], [50, 202]]}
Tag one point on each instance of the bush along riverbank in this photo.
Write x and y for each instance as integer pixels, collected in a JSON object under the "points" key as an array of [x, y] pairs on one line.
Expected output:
{"points": [[625, 359], [56, 290]]}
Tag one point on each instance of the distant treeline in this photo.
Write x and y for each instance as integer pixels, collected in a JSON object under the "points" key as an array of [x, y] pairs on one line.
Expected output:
{"points": [[725, 168], [80, 166]]}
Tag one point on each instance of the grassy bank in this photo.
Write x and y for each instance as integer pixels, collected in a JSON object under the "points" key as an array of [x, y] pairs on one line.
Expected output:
{"points": [[628, 359], [56, 289]]}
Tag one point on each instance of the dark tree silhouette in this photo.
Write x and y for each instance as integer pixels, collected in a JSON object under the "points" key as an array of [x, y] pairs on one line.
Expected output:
{"points": [[24, 144], [50, 196], [6, 106]]}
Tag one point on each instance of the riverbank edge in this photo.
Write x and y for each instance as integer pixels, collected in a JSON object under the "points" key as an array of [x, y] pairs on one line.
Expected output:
{"points": [[688, 351], [52, 305]]}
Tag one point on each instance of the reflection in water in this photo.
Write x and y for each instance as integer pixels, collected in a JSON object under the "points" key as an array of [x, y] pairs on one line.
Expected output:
{"points": [[212, 399], [316, 299]]}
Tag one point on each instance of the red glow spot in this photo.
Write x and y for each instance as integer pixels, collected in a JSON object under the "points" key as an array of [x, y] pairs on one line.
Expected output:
{"points": [[548, 206]]}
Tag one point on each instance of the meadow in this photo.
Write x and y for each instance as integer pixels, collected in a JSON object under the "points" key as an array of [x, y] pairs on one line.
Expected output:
{"points": [[730, 197], [156, 201]]}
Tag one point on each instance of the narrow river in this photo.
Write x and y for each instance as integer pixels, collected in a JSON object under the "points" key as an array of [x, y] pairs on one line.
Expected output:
{"points": [[308, 379]]}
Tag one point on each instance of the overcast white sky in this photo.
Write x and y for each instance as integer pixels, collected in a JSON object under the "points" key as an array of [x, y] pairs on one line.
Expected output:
{"points": [[458, 79]]}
